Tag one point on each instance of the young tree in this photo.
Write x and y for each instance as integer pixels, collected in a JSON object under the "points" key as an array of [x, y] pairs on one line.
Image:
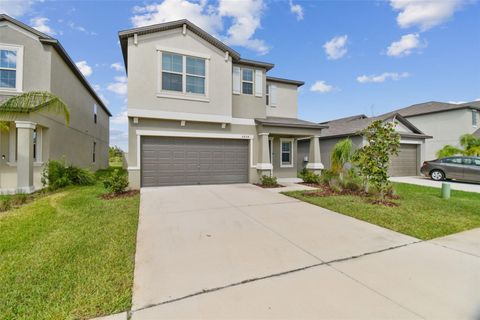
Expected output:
{"points": [[373, 159], [341, 155]]}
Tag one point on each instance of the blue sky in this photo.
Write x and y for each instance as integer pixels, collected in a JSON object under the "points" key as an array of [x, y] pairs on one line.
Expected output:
{"points": [[354, 56]]}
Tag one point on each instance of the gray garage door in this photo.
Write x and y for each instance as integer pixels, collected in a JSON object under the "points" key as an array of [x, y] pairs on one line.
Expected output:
{"points": [[406, 163], [185, 161]]}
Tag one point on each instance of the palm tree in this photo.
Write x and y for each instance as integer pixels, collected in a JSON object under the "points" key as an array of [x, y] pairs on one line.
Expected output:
{"points": [[32, 102], [341, 155], [470, 144]]}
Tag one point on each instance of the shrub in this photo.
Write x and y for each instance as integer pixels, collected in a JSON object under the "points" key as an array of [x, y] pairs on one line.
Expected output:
{"points": [[5, 204], [311, 177], [268, 181], [57, 175], [19, 199], [334, 185], [327, 175], [116, 182]]}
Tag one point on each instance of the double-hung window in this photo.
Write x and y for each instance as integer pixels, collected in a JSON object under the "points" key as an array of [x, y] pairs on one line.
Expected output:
{"points": [[286, 147], [474, 118], [183, 74], [11, 67], [247, 81]]}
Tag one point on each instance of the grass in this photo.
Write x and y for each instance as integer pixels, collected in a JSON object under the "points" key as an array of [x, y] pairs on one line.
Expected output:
{"points": [[421, 213], [68, 255]]}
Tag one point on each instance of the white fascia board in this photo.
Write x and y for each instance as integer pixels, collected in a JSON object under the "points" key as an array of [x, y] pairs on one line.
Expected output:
{"points": [[158, 114], [402, 141], [183, 134]]}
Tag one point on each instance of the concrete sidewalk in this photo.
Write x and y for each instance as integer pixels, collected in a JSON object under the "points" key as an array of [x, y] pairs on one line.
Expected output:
{"points": [[427, 182], [240, 251]]}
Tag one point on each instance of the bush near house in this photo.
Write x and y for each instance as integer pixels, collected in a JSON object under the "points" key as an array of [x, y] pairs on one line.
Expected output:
{"points": [[116, 182], [56, 175], [469, 143], [115, 156], [268, 181]]}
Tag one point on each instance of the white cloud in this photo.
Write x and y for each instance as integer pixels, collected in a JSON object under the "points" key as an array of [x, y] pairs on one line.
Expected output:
{"points": [[457, 102], [16, 8], [76, 27], [321, 86], [119, 86], [405, 45], [117, 66], [40, 23], [244, 19], [336, 47], [424, 13], [382, 77], [84, 68], [120, 118], [119, 137], [297, 10]]}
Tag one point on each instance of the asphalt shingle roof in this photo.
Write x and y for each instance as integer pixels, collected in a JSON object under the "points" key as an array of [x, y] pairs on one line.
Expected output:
{"points": [[288, 122]]}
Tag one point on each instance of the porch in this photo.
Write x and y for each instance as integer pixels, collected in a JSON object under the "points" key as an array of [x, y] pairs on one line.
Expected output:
{"points": [[278, 147], [21, 157]]}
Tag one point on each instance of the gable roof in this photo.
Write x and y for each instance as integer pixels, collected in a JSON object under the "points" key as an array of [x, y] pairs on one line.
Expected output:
{"points": [[46, 39], [434, 107], [287, 81], [125, 34], [352, 126]]}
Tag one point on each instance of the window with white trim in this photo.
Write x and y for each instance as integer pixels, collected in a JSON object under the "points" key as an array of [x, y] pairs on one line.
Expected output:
{"points": [[247, 81], [474, 118], [182, 73], [286, 153], [94, 113], [11, 64]]}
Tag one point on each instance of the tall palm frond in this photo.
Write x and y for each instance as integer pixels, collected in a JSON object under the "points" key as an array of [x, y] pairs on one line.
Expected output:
{"points": [[32, 102], [449, 151], [341, 154], [471, 144], [4, 126]]}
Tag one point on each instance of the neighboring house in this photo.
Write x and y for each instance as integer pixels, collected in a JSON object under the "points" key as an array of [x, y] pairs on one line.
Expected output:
{"points": [[33, 61], [412, 141], [446, 122], [201, 114]]}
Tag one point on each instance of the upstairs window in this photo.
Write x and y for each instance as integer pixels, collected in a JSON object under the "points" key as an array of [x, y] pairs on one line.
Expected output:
{"points": [[11, 67], [94, 152], [183, 74], [247, 81], [94, 113], [474, 118], [271, 95]]}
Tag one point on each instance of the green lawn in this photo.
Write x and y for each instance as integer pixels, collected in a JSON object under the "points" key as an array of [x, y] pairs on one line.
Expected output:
{"points": [[68, 255], [421, 212]]}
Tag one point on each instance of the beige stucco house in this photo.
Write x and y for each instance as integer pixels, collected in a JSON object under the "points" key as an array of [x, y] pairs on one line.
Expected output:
{"points": [[200, 114], [445, 122], [412, 141], [33, 61]]}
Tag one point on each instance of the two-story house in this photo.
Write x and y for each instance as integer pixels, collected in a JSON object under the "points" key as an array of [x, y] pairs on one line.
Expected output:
{"points": [[201, 114], [33, 61]]}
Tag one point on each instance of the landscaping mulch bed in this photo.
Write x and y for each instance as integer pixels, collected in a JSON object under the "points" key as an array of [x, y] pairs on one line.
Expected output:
{"points": [[126, 194], [324, 190], [268, 187]]}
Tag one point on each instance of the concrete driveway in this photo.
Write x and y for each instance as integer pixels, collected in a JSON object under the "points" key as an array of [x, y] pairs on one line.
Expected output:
{"points": [[427, 182], [239, 251]]}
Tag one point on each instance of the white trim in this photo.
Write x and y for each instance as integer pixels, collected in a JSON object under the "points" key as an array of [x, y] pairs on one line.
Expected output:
{"points": [[159, 133], [133, 168], [243, 121], [236, 80], [264, 166], [183, 52], [315, 166], [291, 152], [247, 81], [200, 117], [258, 83], [18, 67], [181, 96], [410, 142], [25, 124]]}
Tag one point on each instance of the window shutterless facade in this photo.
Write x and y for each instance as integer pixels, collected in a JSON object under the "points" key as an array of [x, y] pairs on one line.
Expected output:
{"points": [[11, 67], [286, 152], [247, 81], [183, 74]]}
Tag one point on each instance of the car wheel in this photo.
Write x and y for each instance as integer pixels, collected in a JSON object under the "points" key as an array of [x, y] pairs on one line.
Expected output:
{"points": [[437, 175]]}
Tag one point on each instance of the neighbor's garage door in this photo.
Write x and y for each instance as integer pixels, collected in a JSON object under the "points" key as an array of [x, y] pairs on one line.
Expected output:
{"points": [[184, 161], [406, 163]]}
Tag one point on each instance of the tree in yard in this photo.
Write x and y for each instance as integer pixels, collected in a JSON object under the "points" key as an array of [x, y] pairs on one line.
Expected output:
{"points": [[373, 159], [32, 102], [341, 155], [469, 143]]}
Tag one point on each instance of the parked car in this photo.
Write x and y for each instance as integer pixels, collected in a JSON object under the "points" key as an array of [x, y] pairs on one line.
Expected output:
{"points": [[459, 168]]}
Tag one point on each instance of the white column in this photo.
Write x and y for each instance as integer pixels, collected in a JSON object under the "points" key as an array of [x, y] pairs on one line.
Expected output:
{"points": [[264, 153], [25, 156], [314, 160]]}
